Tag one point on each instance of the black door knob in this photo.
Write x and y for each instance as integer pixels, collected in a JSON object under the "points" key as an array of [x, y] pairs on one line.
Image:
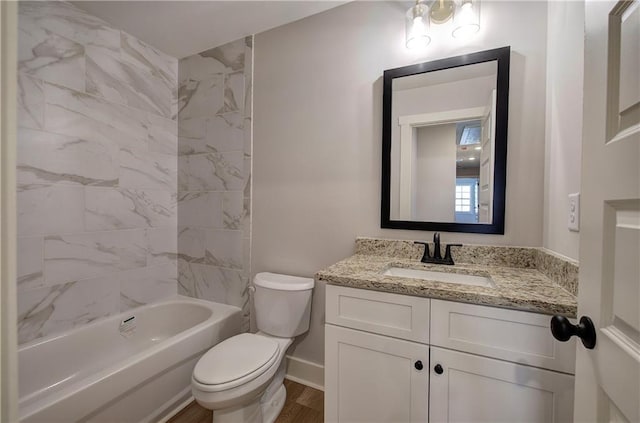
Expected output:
{"points": [[418, 365], [438, 369], [562, 329]]}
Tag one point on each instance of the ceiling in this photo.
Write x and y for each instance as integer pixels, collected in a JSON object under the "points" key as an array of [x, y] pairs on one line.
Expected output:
{"points": [[444, 76], [183, 28]]}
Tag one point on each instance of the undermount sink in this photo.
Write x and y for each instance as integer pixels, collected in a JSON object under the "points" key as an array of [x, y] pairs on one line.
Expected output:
{"points": [[439, 276]]}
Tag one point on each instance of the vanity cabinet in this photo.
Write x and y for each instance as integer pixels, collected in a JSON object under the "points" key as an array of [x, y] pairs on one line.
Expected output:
{"points": [[472, 388], [378, 378], [399, 358], [517, 336]]}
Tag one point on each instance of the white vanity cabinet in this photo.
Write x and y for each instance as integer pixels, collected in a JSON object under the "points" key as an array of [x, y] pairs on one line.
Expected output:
{"points": [[472, 388], [378, 379], [379, 372], [398, 358]]}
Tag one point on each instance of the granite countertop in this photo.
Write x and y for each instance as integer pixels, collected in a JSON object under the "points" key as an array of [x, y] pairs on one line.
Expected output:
{"points": [[519, 288]]}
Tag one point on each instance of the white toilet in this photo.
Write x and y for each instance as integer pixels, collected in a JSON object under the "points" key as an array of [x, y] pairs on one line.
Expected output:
{"points": [[241, 378]]}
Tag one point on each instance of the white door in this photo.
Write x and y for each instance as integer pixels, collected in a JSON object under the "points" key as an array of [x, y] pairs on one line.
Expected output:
{"points": [[608, 376], [469, 388], [372, 378], [487, 160]]}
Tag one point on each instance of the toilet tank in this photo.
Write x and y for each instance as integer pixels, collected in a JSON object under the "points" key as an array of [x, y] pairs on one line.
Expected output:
{"points": [[282, 304]]}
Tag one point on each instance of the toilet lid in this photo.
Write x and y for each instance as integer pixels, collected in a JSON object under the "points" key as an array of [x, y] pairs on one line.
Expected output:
{"points": [[235, 358]]}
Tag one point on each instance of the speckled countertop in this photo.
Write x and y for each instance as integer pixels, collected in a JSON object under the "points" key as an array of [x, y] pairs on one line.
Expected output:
{"points": [[522, 288]]}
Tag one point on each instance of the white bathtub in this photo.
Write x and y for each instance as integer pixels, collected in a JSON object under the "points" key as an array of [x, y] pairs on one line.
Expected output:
{"points": [[94, 373]]}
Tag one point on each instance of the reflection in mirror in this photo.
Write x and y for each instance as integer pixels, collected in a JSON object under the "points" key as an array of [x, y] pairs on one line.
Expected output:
{"points": [[437, 153], [468, 158], [440, 133]]}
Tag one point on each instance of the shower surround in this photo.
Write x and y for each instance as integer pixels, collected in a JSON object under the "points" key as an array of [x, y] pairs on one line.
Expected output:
{"points": [[214, 174], [127, 192], [97, 170]]}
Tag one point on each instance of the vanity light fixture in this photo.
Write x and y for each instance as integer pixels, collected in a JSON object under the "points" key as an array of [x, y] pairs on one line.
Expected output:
{"points": [[441, 11], [465, 14]]}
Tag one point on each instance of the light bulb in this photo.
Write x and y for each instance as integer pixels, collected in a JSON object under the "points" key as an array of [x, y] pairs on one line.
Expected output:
{"points": [[466, 20], [417, 27], [418, 36]]}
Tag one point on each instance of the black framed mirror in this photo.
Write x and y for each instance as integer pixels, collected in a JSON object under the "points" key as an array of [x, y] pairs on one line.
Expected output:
{"points": [[444, 144]]}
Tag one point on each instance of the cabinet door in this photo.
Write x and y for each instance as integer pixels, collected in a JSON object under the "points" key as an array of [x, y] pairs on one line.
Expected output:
{"points": [[479, 389], [373, 378]]}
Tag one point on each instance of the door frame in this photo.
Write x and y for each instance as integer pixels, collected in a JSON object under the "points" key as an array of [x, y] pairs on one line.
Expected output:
{"points": [[8, 124]]}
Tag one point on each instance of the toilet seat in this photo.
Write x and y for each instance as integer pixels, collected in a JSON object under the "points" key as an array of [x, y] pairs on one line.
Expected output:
{"points": [[235, 361]]}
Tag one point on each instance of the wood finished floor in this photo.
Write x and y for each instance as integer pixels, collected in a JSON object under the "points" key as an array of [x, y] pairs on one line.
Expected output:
{"points": [[303, 405]]}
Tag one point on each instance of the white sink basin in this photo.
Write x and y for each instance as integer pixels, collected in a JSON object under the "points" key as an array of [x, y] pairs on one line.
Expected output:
{"points": [[439, 276]]}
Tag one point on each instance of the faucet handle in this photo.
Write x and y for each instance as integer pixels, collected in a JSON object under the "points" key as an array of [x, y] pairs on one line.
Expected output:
{"points": [[426, 254], [447, 252]]}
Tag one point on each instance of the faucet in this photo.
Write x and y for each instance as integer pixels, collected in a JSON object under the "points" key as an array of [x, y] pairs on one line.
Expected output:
{"points": [[437, 255], [436, 246]]}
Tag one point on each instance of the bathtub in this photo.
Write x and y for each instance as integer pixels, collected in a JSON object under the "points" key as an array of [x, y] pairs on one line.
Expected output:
{"points": [[120, 369]]}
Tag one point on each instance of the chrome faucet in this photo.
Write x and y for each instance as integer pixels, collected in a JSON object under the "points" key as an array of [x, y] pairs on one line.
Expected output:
{"points": [[437, 255]]}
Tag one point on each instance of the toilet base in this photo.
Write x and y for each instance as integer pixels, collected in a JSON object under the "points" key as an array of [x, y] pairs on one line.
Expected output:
{"points": [[261, 410], [271, 409], [246, 413]]}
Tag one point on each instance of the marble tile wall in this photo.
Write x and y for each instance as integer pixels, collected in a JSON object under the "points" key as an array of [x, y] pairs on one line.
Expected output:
{"points": [[214, 174], [97, 170]]}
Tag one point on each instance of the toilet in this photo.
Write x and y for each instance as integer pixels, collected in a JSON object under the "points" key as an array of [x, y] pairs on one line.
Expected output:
{"points": [[241, 379]]}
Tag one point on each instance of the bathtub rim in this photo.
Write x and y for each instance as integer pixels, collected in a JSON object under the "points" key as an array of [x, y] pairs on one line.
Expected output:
{"points": [[173, 299]]}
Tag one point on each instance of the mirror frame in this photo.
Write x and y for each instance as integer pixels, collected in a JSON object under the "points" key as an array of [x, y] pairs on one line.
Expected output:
{"points": [[502, 56]]}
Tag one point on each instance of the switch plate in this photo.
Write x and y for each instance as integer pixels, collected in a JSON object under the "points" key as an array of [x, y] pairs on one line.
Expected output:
{"points": [[574, 212]]}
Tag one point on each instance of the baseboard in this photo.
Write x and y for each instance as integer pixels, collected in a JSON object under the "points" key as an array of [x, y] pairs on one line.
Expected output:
{"points": [[168, 414], [305, 372]]}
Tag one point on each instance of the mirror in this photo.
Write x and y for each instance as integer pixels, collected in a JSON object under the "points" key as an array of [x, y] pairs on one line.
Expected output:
{"points": [[444, 144]]}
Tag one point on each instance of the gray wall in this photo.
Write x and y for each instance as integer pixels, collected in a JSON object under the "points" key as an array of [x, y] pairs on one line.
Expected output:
{"points": [[96, 170], [214, 168], [317, 134], [565, 69], [435, 173]]}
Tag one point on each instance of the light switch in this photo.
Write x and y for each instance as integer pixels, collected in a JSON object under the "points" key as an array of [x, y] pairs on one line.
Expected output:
{"points": [[574, 212]]}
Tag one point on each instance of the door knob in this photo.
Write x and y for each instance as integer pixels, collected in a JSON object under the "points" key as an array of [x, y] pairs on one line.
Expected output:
{"points": [[418, 365], [562, 329], [438, 369]]}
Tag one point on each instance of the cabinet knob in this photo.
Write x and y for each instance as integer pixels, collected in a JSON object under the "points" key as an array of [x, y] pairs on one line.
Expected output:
{"points": [[418, 365], [438, 369], [562, 330]]}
